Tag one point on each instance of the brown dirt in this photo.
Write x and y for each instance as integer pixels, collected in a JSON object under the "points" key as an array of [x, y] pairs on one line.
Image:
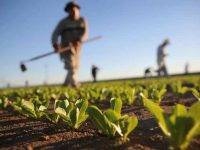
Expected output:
{"points": [[19, 132]]}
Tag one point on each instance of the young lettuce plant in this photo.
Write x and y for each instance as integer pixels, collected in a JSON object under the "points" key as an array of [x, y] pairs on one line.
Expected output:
{"points": [[111, 121], [28, 108], [157, 94], [179, 89], [53, 116], [181, 126], [4, 102], [128, 96], [73, 114]]}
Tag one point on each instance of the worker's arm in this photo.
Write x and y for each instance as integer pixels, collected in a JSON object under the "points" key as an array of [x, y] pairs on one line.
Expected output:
{"points": [[84, 36], [165, 55], [56, 33]]}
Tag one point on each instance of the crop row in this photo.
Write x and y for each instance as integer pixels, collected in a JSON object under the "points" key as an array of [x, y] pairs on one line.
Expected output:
{"points": [[74, 107], [128, 93]]}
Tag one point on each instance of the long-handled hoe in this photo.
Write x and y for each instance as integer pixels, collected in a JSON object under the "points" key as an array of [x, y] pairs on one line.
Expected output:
{"points": [[61, 50]]}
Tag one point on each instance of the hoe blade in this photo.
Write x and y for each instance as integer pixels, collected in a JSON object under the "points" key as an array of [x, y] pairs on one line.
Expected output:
{"points": [[23, 67]]}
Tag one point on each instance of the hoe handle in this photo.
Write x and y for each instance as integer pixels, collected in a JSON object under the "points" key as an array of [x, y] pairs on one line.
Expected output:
{"points": [[40, 56], [61, 50]]}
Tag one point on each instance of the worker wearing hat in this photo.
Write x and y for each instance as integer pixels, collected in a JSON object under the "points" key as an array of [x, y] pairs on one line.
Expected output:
{"points": [[73, 31], [161, 58]]}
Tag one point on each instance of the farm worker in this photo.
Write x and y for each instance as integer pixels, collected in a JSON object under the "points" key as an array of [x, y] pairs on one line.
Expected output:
{"points": [[187, 68], [148, 72], [73, 31], [94, 71], [161, 58]]}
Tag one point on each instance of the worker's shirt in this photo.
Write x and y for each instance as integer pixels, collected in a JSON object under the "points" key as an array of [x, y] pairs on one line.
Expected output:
{"points": [[161, 55], [70, 30]]}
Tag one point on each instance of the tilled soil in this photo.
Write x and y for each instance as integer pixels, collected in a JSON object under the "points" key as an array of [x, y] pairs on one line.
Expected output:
{"points": [[19, 132]]}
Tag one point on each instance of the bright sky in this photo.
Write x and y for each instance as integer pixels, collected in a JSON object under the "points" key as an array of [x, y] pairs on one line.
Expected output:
{"points": [[131, 30]]}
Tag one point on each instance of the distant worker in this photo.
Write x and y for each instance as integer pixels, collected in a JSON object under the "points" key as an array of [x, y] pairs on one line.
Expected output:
{"points": [[187, 68], [73, 31], [8, 85], [161, 58], [26, 83], [94, 71], [148, 72]]}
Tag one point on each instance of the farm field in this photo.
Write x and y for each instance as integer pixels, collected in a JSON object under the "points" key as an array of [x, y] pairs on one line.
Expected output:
{"points": [[125, 114]]}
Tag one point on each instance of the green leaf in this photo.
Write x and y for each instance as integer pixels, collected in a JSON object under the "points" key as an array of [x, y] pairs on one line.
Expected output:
{"points": [[17, 105], [178, 111], [100, 120], [180, 124], [193, 132], [69, 108], [180, 130], [62, 113], [29, 108], [4, 102], [41, 111], [161, 93], [128, 124], [194, 112], [1, 103], [61, 103], [112, 115], [42, 108], [116, 128], [82, 105], [159, 114], [53, 117], [196, 93], [116, 104], [73, 115]]}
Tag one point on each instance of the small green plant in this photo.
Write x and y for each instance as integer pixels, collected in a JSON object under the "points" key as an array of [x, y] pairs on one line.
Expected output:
{"points": [[73, 114], [155, 94], [28, 108], [4, 102], [179, 89], [128, 96], [181, 126], [111, 121]]}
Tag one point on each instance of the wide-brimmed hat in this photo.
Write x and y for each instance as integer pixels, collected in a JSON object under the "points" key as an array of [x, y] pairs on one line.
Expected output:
{"points": [[70, 5]]}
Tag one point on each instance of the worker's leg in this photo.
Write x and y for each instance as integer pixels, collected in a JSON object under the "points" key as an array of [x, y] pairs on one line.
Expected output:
{"points": [[95, 79], [165, 71], [68, 78], [72, 65], [74, 78], [75, 67], [93, 76], [67, 67], [159, 71]]}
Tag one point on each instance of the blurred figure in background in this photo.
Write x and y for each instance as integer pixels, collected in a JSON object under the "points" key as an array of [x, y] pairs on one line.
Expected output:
{"points": [[73, 31], [26, 83], [8, 85], [148, 72], [94, 71], [187, 68], [161, 58]]}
